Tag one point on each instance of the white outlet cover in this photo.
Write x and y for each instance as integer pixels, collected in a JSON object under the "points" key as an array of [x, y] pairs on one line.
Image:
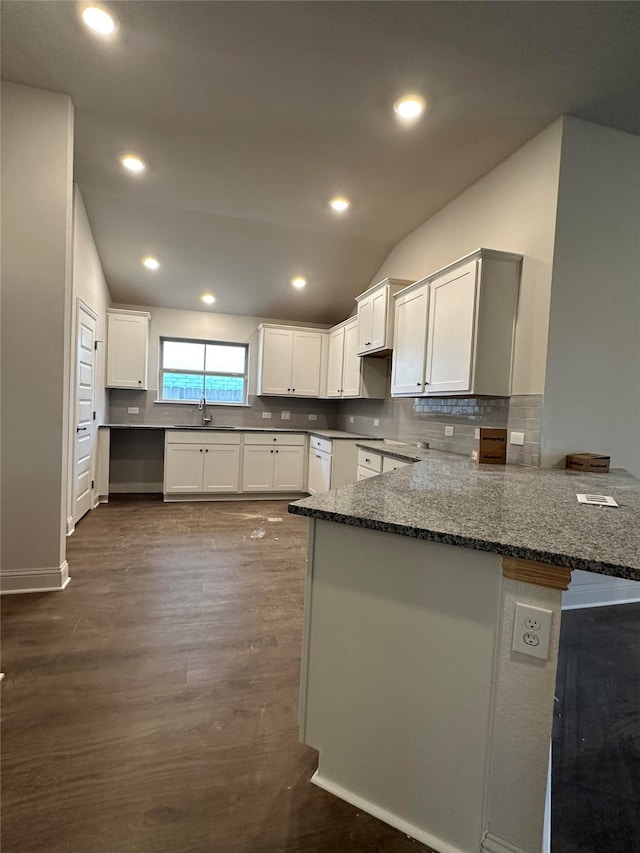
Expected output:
{"points": [[448, 430], [517, 438], [352, 420], [133, 410], [286, 416], [532, 631], [266, 415], [476, 432], [376, 422], [312, 417]]}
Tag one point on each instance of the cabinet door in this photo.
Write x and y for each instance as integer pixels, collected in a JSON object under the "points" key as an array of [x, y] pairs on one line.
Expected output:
{"points": [[221, 468], [334, 367], [127, 340], [352, 363], [183, 468], [277, 358], [365, 318], [379, 320], [409, 350], [288, 470], [305, 374], [450, 346], [257, 472], [319, 477]]}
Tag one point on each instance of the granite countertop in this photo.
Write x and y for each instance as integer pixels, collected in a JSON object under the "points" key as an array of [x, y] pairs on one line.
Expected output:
{"points": [[530, 513], [397, 450], [334, 434]]}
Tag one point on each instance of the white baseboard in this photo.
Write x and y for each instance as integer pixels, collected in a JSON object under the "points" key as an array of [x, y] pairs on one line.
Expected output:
{"points": [[35, 580], [588, 589], [71, 525], [493, 844], [385, 816]]}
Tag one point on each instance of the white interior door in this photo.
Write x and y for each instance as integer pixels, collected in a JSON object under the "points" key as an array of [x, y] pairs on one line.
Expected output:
{"points": [[86, 323]]}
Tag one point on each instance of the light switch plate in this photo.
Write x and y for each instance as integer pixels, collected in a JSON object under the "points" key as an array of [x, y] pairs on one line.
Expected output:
{"points": [[476, 432], [133, 410], [266, 415], [517, 438], [286, 416], [448, 430], [376, 422], [352, 420], [312, 417]]}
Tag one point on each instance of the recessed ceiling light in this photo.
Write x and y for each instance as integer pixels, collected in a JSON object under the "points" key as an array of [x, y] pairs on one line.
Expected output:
{"points": [[340, 203], [299, 282], [151, 263], [410, 106], [208, 298], [98, 19], [132, 163]]}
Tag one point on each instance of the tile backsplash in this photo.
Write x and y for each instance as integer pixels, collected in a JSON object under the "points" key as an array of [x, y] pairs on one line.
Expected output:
{"points": [[411, 419]]}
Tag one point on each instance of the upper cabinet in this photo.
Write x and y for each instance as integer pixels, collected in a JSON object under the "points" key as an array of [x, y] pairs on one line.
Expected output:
{"points": [[348, 375], [127, 348], [455, 329], [290, 361], [375, 317]]}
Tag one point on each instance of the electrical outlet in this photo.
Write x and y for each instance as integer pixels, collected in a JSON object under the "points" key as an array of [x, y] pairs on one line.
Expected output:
{"points": [[266, 416], [517, 438], [532, 631], [133, 410], [352, 420], [286, 416], [376, 422], [474, 455], [476, 432], [448, 430], [312, 417]]}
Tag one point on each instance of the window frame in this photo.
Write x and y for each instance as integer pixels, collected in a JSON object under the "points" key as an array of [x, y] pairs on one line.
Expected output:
{"points": [[204, 373]]}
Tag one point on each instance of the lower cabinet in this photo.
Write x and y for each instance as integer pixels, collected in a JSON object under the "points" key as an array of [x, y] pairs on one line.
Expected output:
{"points": [[195, 464], [319, 477], [273, 463]]}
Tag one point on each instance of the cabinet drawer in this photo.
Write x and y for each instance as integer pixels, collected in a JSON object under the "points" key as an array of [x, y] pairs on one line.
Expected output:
{"points": [[252, 438], [392, 464], [323, 444], [201, 437], [372, 461]]}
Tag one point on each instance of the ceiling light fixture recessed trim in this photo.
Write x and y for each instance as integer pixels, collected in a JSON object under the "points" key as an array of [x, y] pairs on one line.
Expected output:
{"points": [[150, 262], [410, 107], [133, 163], [99, 19], [339, 203], [208, 298], [299, 282]]}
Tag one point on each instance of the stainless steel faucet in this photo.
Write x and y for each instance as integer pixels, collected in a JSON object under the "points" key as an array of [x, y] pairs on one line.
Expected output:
{"points": [[202, 405]]}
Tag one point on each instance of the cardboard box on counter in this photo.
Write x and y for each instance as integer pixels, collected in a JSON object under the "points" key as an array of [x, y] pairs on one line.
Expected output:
{"points": [[492, 447], [592, 462]]}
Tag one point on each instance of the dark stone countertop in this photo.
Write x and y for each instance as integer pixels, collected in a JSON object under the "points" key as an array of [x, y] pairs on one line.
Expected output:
{"points": [[530, 513]]}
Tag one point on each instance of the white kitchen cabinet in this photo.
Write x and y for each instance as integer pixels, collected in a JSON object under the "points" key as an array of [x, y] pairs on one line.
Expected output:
{"points": [[333, 462], [375, 316], [127, 348], [196, 462], [409, 352], [455, 329], [389, 464], [319, 476], [349, 375], [291, 361], [273, 463]]}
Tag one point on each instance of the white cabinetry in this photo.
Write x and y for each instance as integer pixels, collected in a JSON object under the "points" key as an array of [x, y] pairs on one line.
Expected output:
{"points": [[127, 348], [455, 329], [273, 463], [197, 463], [290, 361], [332, 463], [411, 318], [375, 316], [349, 375]]}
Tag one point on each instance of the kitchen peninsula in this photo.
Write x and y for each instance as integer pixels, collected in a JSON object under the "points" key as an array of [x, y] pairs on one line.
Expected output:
{"points": [[422, 713]]}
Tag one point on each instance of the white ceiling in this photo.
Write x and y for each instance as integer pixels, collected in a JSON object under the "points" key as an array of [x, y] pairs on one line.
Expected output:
{"points": [[251, 115]]}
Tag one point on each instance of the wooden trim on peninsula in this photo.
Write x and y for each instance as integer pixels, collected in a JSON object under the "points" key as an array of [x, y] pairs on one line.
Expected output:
{"points": [[540, 574]]}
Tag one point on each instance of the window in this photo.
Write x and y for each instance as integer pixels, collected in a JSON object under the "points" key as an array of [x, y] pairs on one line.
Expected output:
{"points": [[190, 370]]}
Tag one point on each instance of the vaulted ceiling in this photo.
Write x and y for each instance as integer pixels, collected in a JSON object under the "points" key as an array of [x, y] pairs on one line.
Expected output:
{"points": [[251, 115]]}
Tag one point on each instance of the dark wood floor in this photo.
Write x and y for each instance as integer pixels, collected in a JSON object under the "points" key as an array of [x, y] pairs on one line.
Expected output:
{"points": [[151, 707], [596, 742]]}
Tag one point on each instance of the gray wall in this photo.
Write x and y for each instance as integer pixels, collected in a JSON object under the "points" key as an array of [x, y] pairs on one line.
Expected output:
{"points": [[37, 160], [592, 384]]}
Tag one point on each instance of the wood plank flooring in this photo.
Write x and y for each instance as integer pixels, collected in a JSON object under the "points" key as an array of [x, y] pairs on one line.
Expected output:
{"points": [[151, 707], [596, 736]]}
